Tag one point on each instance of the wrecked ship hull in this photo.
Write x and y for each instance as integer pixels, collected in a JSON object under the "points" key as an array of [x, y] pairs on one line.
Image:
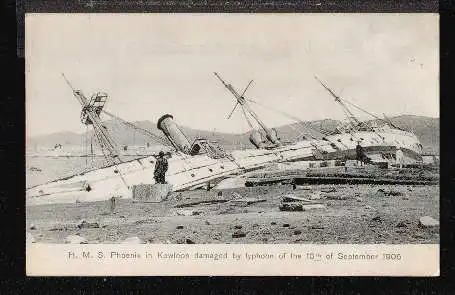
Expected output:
{"points": [[187, 171]]}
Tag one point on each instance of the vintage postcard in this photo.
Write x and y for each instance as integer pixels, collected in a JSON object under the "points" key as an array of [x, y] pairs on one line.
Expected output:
{"points": [[232, 144]]}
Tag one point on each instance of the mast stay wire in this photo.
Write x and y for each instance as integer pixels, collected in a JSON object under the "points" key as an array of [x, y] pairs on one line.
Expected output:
{"points": [[298, 120], [147, 132]]}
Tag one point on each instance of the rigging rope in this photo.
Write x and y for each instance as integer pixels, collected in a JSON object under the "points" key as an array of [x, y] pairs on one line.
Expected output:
{"points": [[298, 120], [147, 132]]}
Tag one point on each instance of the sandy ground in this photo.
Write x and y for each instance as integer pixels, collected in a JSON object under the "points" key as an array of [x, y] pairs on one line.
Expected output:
{"points": [[367, 215]]}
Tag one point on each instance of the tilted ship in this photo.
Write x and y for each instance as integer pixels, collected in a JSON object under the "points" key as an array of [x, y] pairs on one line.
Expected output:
{"points": [[203, 161]]}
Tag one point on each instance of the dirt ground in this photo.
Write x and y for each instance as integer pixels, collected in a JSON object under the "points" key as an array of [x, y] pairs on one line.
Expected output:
{"points": [[369, 214]]}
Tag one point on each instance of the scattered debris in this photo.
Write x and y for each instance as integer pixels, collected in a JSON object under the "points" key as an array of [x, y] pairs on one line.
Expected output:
{"points": [[336, 197], [293, 198], [390, 192], [215, 236], [209, 201], [428, 221], [132, 240], [239, 234], [184, 241], [84, 224], [75, 239], [378, 219], [187, 212], [296, 206], [247, 201], [403, 223]]}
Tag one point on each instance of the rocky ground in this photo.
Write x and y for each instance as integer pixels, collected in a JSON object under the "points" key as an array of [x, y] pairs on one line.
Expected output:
{"points": [[345, 214]]}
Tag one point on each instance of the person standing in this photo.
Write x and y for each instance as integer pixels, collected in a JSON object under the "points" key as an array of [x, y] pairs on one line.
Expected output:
{"points": [[161, 167], [359, 154]]}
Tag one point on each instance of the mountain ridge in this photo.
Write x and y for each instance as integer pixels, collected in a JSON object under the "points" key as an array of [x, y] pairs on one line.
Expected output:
{"points": [[426, 129]]}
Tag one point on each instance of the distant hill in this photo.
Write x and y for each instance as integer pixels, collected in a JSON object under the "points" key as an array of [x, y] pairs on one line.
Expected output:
{"points": [[427, 129]]}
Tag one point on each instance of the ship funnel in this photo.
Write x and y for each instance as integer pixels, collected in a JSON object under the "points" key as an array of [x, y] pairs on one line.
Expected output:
{"points": [[257, 139], [174, 134]]}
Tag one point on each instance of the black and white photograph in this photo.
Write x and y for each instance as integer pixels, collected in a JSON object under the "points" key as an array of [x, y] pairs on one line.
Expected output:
{"points": [[232, 128]]}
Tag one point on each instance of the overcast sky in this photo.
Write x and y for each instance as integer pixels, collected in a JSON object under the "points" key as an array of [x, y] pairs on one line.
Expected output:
{"points": [[152, 64]]}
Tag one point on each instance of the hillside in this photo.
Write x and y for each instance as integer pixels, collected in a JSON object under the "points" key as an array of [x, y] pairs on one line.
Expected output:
{"points": [[427, 129]]}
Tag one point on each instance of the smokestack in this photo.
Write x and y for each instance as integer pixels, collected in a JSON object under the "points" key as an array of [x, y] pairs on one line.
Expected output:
{"points": [[174, 134]]}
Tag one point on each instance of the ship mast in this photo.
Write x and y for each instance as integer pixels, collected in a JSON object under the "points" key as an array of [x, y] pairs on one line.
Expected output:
{"points": [[352, 119], [240, 100], [90, 116]]}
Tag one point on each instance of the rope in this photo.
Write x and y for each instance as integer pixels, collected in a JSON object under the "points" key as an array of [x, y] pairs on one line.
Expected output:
{"points": [[147, 132], [298, 120]]}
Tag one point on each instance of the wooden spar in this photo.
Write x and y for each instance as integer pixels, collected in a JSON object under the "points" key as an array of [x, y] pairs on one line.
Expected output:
{"points": [[338, 100], [241, 100]]}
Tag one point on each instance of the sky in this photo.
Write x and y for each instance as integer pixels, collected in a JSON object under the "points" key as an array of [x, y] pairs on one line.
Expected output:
{"points": [[153, 64]]}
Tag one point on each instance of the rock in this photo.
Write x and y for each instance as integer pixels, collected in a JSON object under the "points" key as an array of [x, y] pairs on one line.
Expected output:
{"points": [[402, 224], [235, 195], [184, 241], [30, 238], [84, 224], [187, 212], [132, 240], [32, 226], [317, 227], [428, 221], [378, 219], [239, 234], [297, 232], [206, 222], [179, 227], [286, 225], [315, 196], [273, 223], [75, 239], [238, 226], [359, 199], [215, 236]]}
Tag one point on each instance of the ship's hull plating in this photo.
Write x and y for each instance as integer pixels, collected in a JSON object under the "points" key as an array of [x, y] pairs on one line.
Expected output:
{"points": [[188, 171]]}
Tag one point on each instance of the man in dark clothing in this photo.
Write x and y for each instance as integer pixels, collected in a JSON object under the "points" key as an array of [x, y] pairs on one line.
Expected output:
{"points": [[359, 154], [161, 168]]}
